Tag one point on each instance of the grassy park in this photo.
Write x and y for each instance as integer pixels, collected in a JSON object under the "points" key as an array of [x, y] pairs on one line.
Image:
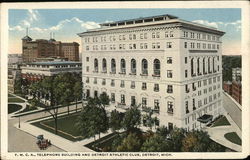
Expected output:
{"points": [[66, 128], [233, 137], [221, 122], [13, 108], [15, 100]]}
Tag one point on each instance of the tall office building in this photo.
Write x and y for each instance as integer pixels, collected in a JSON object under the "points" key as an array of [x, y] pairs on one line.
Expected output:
{"points": [[170, 65]]}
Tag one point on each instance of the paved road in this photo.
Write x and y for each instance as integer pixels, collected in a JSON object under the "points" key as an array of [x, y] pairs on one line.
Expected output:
{"points": [[20, 141], [233, 110]]}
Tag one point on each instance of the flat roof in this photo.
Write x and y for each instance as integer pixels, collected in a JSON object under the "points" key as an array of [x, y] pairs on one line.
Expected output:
{"points": [[140, 18], [55, 62]]}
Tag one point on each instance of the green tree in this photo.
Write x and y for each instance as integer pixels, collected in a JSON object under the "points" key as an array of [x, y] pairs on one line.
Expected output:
{"points": [[92, 120], [104, 100], [189, 142], [77, 91], [155, 143], [115, 121], [132, 118], [162, 131], [176, 136], [130, 144], [18, 86]]}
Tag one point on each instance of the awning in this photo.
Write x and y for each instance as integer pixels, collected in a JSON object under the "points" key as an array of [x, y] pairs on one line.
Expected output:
{"points": [[205, 118]]}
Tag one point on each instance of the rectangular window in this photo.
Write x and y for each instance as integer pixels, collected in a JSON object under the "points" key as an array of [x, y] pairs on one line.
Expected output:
{"points": [[186, 73], [156, 87], [144, 86], [122, 99], [170, 89], [170, 107], [169, 44], [185, 44], [103, 81], [133, 84], [153, 35], [156, 104], [133, 102], [95, 80], [87, 68], [112, 82], [87, 59], [112, 97], [122, 84], [169, 74], [144, 102], [169, 60], [186, 60], [186, 106], [87, 79]]}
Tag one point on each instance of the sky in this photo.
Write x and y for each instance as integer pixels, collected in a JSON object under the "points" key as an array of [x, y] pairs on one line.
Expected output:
{"points": [[66, 23]]}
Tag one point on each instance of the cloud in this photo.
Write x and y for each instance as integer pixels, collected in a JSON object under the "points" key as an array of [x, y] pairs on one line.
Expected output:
{"points": [[236, 24], [207, 23], [16, 28]]}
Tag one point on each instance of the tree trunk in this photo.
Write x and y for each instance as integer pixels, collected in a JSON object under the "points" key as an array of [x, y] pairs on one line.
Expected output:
{"points": [[76, 105], [68, 109], [56, 124]]}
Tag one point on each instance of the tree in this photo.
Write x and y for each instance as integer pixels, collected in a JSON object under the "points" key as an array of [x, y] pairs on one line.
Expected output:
{"points": [[104, 99], [148, 119], [18, 86], [77, 91], [176, 136], [189, 142], [162, 131], [115, 121], [130, 144], [155, 143], [132, 118], [92, 120]]}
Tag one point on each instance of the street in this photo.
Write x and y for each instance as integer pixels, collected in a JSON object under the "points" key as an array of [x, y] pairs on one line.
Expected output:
{"points": [[233, 110], [20, 141]]}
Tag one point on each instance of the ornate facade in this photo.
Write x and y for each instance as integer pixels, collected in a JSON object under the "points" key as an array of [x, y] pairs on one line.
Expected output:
{"points": [[170, 65]]}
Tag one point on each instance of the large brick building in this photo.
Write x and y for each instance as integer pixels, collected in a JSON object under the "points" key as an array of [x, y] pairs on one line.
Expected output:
{"points": [[42, 48]]}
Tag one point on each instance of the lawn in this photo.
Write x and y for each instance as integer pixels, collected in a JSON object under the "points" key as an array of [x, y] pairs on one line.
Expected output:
{"points": [[65, 125], [9, 95], [27, 108], [13, 108], [103, 142], [233, 137], [15, 100], [221, 122]]}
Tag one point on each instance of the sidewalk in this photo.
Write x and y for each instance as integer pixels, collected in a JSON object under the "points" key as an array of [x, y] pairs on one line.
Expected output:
{"points": [[217, 134], [56, 140]]}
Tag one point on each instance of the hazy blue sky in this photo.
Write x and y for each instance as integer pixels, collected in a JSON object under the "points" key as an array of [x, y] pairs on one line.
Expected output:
{"points": [[65, 23]]}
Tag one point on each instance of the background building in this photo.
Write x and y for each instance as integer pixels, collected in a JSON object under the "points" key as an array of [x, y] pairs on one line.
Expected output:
{"points": [[15, 58], [42, 48], [36, 71], [14, 73], [170, 65], [236, 74]]}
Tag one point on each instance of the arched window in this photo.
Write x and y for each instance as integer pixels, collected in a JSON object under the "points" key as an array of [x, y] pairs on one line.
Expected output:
{"points": [[104, 65], [113, 66], [123, 66], [204, 66], [192, 67], [133, 66], [209, 67], [144, 67], [198, 66], [157, 67], [96, 65]]}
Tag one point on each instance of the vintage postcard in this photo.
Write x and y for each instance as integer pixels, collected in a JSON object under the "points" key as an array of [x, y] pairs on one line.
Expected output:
{"points": [[125, 80]]}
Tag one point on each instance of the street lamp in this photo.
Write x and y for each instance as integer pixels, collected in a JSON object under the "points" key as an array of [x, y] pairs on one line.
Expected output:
{"points": [[19, 122]]}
